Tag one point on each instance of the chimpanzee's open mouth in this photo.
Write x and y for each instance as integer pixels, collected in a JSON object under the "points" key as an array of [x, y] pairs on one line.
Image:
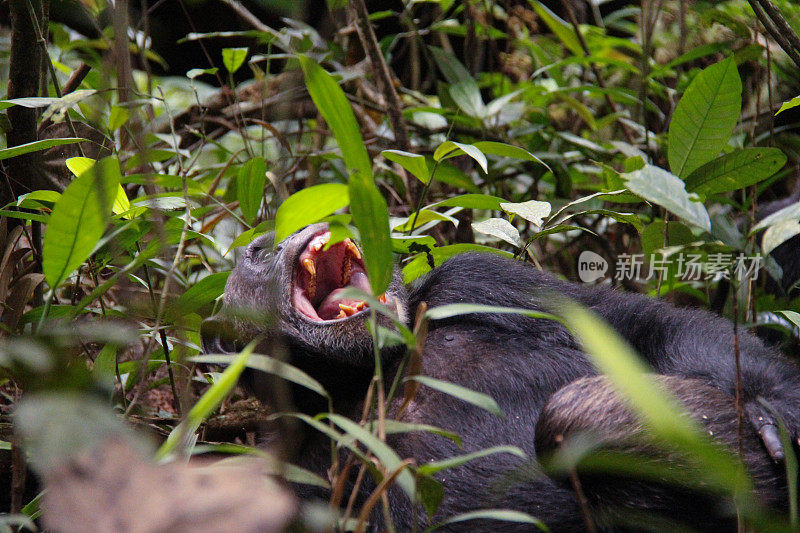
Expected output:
{"points": [[321, 275]]}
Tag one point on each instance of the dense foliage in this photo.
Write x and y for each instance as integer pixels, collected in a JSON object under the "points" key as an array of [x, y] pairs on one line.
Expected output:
{"points": [[658, 138]]}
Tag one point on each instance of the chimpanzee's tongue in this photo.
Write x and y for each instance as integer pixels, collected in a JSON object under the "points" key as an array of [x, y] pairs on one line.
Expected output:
{"points": [[335, 306]]}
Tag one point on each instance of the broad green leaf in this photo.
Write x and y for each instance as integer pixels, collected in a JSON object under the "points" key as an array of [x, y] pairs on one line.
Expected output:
{"points": [[452, 69], [506, 150], [250, 187], [79, 165], [735, 170], [371, 217], [458, 460], [471, 201], [35, 146], [463, 88], [420, 264], [118, 117], [705, 117], [79, 220], [478, 399], [307, 206], [233, 58], [500, 228], [34, 199], [559, 27], [794, 102], [501, 515], [414, 163], [467, 96], [335, 109], [180, 438], [425, 216], [667, 190], [203, 292], [451, 149], [367, 205], [270, 365], [533, 211]]}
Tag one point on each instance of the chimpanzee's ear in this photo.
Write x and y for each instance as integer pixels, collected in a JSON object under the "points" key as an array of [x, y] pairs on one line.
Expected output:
{"points": [[217, 335]]}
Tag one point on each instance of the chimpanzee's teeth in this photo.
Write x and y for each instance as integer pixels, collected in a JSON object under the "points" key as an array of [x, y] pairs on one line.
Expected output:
{"points": [[352, 248], [346, 270], [311, 287], [350, 310]]}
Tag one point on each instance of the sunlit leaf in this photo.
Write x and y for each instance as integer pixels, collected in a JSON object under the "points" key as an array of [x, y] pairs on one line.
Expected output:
{"points": [[233, 58], [79, 219], [307, 206], [250, 187]]}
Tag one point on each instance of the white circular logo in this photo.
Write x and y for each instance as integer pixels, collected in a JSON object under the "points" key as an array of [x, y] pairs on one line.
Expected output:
{"points": [[591, 266]]}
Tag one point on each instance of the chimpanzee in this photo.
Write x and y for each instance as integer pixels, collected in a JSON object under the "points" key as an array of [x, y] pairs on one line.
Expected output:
{"points": [[534, 369]]}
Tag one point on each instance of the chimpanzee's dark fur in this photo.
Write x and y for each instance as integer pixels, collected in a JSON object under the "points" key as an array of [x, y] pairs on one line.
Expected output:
{"points": [[521, 362]]}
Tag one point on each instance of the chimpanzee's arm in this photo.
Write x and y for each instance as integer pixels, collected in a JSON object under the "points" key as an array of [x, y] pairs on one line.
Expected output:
{"points": [[698, 344]]}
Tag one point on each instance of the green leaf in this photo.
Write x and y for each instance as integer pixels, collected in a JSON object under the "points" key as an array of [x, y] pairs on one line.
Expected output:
{"points": [[307, 206], [79, 220], [793, 316], [180, 439], [233, 58], [451, 149], [471, 201], [420, 264], [425, 216], [503, 515], [660, 411], [371, 217], [478, 399], [507, 150], [705, 117], [201, 293], [250, 187], [451, 68], [458, 460], [667, 190], [559, 27], [451, 310], [270, 365], [794, 102], [735, 170], [382, 451], [35, 146], [414, 163], [335, 109]]}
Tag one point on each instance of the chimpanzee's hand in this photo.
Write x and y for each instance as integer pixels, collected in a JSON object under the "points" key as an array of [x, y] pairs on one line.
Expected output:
{"points": [[761, 418]]}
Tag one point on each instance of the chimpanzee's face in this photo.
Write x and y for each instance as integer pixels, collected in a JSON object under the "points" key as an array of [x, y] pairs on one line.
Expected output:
{"points": [[299, 284]]}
